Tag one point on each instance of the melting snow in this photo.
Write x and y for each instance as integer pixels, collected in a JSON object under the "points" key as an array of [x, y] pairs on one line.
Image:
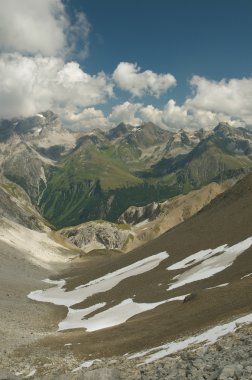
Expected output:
{"points": [[196, 258], [140, 224], [37, 131], [208, 337], [32, 373], [74, 319], [59, 296], [113, 316], [206, 263], [86, 364], [246, 275], [218, 286], [210, 265]]}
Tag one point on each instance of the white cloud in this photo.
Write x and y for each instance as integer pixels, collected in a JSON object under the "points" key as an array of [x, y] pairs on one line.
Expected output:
{"points": [[232, 98], [126, 113], [37, 38], [32, 84], [88, 119], [128, 77], [41, 27], [209, 103], [170, 116]]}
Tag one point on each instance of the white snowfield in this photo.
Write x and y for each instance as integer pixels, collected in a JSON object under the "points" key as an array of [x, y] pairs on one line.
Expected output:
{"points": [[110, 317], [36, 246], [58, 296], [208, 337], [113, 316], [206, 263], [210, 263], [196, 258]]}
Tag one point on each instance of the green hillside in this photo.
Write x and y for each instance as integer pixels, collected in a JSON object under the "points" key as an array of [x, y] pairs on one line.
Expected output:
{"points": [[105, 174]]}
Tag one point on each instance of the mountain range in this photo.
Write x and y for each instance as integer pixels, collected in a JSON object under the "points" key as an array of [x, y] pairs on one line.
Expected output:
{"points": [[72, 178]]}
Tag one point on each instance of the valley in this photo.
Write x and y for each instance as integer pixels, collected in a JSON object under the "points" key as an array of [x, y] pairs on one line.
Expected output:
{"points": [[182, 263]]}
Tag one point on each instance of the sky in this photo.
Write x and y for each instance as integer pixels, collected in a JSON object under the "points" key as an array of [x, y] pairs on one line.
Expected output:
{"points": [[179, 64]]}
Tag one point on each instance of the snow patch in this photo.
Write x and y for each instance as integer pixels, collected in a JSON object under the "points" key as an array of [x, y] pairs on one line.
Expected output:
{"points": [[246, 275], [40, 115], [140, 224], [196, 258], [208, 337], [114, 316], [111, 317], [74, 319], [58, 296], [37, 131], [86, 364], [218, 286], [32, 373], [210, 265]]}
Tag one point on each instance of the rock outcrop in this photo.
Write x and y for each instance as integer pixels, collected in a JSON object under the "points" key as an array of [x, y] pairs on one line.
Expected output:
{"points": [[98, 235]]}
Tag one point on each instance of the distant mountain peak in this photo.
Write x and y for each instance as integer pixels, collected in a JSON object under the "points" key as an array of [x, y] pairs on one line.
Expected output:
{"points": [[223, 127]]}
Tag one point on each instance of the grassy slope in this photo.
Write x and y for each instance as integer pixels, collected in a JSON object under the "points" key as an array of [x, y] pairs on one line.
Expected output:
{"points": [[98, 182], [81, 182]]}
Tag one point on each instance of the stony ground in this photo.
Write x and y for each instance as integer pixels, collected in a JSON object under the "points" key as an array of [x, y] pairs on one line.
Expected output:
{"points": [[229, 358]]}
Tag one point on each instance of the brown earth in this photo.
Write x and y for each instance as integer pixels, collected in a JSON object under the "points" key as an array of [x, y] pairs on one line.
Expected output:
{"points": [[226, 220]]}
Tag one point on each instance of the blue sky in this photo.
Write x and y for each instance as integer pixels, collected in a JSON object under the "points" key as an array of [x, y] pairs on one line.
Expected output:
{"points": [[176, 63], [206, 38]]}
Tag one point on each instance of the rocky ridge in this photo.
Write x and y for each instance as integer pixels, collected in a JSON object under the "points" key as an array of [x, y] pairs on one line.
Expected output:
{"points": [[29, 147], [74, 178]]}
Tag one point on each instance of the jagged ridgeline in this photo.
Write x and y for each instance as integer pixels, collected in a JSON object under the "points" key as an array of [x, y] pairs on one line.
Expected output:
{"points": [[73, 178]]}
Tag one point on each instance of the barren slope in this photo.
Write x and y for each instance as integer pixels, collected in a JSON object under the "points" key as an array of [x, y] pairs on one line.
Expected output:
{"points": [[222, 230]]}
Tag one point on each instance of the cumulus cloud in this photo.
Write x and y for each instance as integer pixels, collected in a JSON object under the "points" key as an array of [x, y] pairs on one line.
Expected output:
{"points": [[38, 43], [125, 113], [210, 102], [41, 27], [32, 84], [128, 76], [171, 116], [175, 117], [232, 98], [88, 119]]}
